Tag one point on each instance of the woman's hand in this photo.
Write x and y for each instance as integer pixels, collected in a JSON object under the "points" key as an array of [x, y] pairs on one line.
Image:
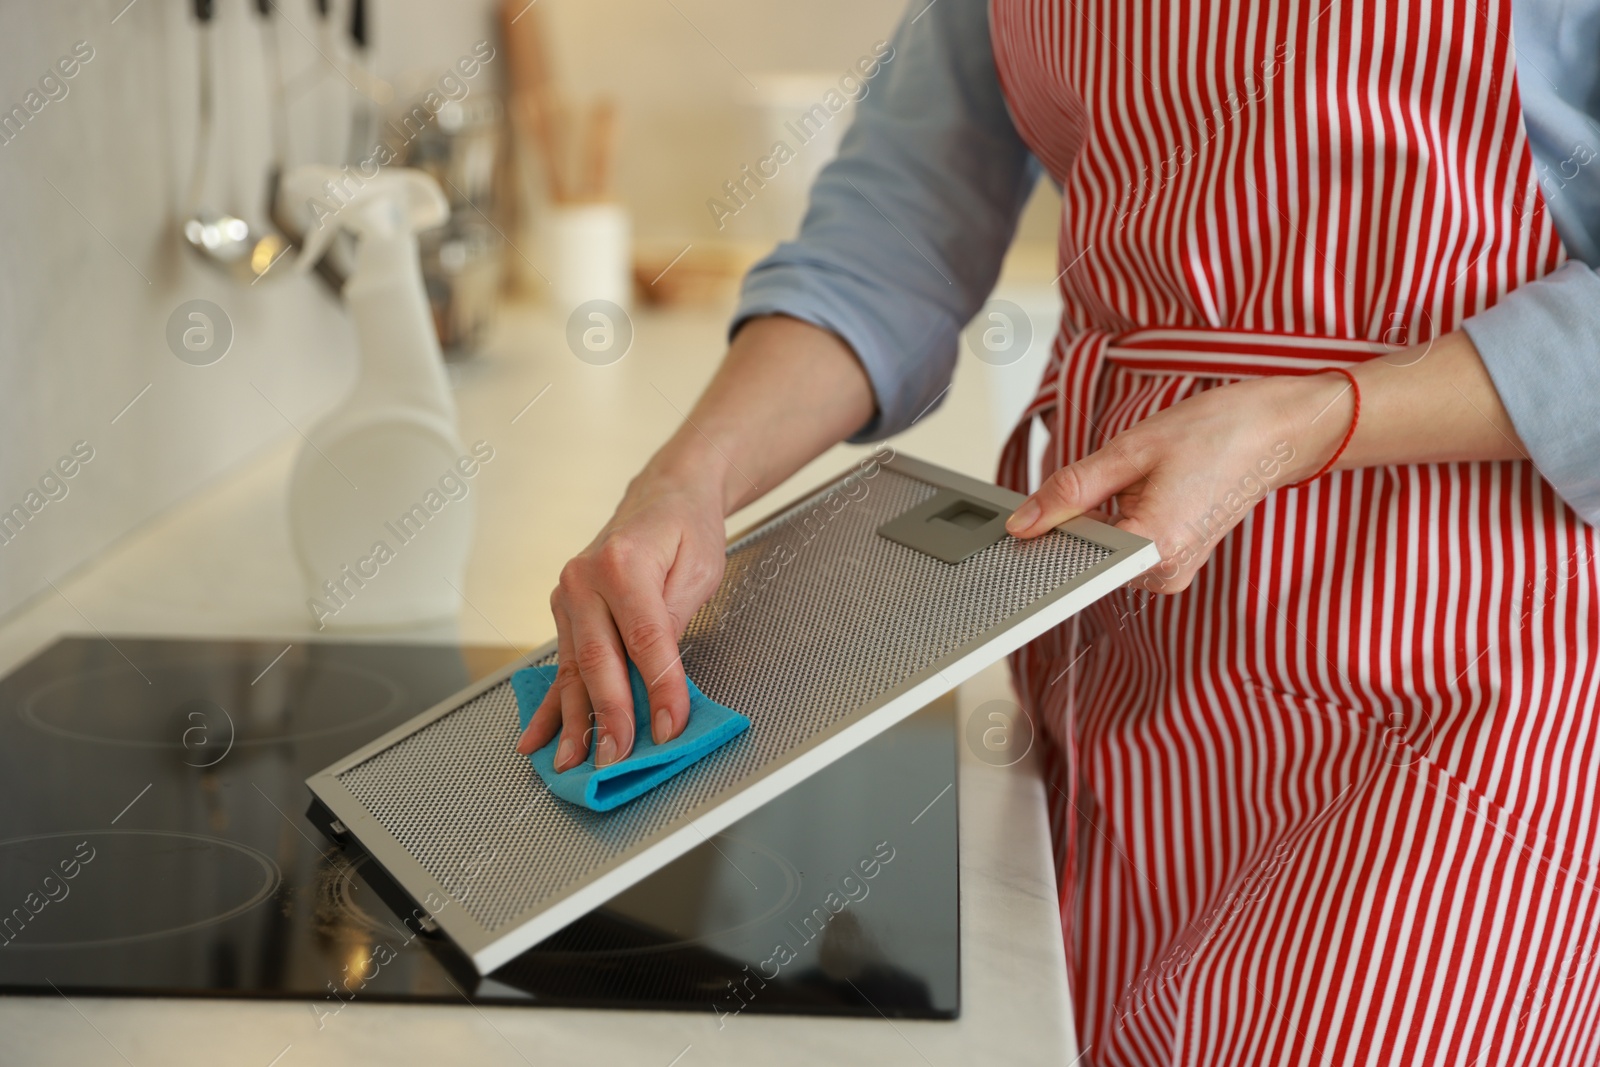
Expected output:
{"points": [[1190, 473], [634, 588], [785, 392]]}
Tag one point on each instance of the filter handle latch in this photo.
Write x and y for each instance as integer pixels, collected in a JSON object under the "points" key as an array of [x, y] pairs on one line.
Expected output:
{"points": [[950, 525]]}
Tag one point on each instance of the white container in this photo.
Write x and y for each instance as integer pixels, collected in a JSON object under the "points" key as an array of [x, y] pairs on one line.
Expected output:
{"points": [[588, 252], [386, 468]]}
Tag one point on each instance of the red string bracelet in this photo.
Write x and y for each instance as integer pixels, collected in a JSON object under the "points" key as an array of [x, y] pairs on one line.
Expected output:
{"points": [[1355, 417]]}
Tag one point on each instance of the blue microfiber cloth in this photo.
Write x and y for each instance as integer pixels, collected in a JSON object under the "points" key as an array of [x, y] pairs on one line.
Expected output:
{"points": [[711, 725]]}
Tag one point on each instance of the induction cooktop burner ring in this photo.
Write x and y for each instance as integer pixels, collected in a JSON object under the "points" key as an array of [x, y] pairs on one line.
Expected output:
{"points": [[28, 710], [273, 878]]}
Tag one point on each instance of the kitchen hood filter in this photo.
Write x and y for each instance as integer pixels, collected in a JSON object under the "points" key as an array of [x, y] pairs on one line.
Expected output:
{"points": [[824, 631]]}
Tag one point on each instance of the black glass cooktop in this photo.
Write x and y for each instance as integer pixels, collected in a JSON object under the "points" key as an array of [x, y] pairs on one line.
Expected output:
{"points": [[155, 839]]}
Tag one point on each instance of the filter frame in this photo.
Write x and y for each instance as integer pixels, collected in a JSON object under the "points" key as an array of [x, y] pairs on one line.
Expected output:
{"points": [[1126, 556]]}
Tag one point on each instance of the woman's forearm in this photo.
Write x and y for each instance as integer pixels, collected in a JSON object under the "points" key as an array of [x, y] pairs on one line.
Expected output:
{"points": [[1432, 403], [786, 392]]}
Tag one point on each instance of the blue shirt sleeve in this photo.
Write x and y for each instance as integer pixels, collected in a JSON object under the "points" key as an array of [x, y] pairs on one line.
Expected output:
{"points": [[907, 227], [1541, 345], [1541, 341]]}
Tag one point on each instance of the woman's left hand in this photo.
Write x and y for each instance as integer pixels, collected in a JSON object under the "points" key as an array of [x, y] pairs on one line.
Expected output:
{"points": [[1190, 473]]}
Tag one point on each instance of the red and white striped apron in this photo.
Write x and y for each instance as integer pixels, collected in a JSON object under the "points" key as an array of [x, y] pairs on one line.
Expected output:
{"points": [[1336, 802]]}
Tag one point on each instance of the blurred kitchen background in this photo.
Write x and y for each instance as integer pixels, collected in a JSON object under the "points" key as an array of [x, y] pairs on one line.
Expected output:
{"points": [[579, 156]]}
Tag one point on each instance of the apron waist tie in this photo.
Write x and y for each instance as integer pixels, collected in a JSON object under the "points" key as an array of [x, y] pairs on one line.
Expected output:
{"points": [[1068, 397], [1217, 353]]}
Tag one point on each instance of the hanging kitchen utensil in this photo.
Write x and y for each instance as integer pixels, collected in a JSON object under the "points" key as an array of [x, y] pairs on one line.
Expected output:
{"points": [[226, 241], [362, 120], [282, 218], [277, 101], [838, 616]]}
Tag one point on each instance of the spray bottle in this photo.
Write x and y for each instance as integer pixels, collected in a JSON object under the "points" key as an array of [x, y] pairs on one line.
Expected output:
{"points": [[379, 506]]}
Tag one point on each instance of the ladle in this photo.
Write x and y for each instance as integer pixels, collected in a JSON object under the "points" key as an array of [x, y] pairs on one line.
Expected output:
{"points": [[226, 241]]}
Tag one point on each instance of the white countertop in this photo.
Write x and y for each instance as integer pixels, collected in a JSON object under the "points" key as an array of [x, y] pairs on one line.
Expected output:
{"points": [[220, 564]]}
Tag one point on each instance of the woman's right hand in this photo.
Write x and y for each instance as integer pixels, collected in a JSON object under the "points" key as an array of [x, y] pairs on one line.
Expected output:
{"points": [[630, 593], [785, 392]]}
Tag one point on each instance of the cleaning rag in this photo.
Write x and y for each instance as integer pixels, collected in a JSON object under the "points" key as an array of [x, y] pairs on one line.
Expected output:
{"points": [[711, 725]]}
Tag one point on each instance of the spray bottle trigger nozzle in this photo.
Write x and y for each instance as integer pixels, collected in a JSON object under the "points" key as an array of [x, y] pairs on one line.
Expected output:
{"points": [[420, 202]]}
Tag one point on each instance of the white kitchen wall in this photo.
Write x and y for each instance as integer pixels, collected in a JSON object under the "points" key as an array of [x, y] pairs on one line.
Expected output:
{"points": [[91, 266]]}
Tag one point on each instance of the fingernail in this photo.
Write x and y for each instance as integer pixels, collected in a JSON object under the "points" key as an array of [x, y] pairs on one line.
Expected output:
{"points": [[1023, 517], [662, 728], [605, 750], [564, 754], [523, 748]]}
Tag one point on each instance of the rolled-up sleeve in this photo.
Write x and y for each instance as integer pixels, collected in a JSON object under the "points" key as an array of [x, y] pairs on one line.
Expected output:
{"points": [[1541, 345], [906, 228]]}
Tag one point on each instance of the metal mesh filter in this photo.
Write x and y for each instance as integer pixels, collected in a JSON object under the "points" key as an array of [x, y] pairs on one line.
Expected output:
{"points": [[816, 617]]}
